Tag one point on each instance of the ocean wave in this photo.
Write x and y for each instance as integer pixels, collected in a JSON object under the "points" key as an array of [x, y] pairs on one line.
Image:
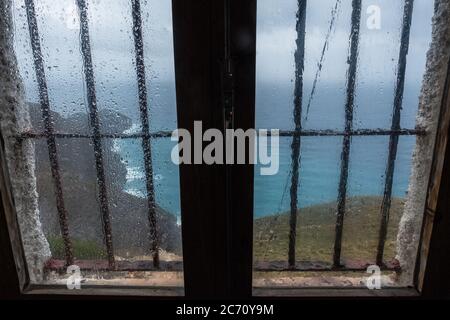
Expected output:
{"points": [[135, 173], [135, 128], [116, 146], [136, 192]]}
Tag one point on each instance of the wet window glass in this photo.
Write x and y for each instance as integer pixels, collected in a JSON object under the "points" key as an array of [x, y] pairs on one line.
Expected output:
{"points": [[99, 88], [327, 75]]}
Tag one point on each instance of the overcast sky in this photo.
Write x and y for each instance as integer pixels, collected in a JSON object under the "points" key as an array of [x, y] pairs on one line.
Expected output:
{"points": [[113, 51], [276, 37]]}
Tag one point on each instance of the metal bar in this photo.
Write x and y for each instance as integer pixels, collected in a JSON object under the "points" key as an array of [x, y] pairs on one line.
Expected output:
{"points": [[282, 133], [48, 124], [260, 266], [359, 132], [295, 146], [95, 124], [34, 135], [393, 141], [102, 265], [146, 143], [356, 265], [351, 81]]}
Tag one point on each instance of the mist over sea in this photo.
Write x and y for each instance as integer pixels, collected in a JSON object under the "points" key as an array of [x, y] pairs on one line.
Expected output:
{"points": [[320, 156]]}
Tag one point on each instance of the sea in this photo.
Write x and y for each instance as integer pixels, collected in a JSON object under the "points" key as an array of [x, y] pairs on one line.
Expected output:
{"points": [[320, 156]]}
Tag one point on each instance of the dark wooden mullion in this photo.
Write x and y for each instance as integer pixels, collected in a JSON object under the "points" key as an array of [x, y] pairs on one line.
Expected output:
{"points": [[243, 53], [216, 200], [198, 27]]}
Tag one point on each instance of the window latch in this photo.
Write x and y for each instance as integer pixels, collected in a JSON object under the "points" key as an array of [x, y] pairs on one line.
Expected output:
{"points": [[228, 94]]}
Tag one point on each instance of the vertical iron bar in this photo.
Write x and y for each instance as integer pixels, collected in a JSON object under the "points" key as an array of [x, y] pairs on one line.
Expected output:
{"points": [[393, 141], [49, 130], [146, 143], [345, 155], [95, 124], [295, 146]]}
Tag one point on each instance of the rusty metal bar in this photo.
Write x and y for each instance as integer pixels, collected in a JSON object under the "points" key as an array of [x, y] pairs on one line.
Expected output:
{"points": [[282, 133], [95, 124], [295, 146], [34, 135], [146, 143], [356, 265], [358, 132], [55, 265], [393, 141], [124, 265], [48, 124], [345, 156]]}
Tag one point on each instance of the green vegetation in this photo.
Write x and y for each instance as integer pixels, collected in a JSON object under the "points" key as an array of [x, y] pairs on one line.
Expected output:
{"points": [[316, 231], [82, 249], [315, 234]]}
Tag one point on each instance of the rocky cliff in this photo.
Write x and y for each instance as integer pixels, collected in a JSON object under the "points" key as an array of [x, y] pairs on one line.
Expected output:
{"points": [[129, 214]]}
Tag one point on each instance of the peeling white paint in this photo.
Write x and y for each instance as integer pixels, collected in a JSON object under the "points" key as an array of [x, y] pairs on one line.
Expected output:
{"points": [[428, 116], [14, 118]]}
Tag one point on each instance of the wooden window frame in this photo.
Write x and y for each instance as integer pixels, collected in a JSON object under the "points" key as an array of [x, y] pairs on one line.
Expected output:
{"points": [[217, 200]]}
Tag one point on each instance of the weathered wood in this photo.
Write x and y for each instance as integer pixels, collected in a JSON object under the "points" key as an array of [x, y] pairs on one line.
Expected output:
{"points": [[434, 187], [13, 269], [333, 292], [103, 290]]}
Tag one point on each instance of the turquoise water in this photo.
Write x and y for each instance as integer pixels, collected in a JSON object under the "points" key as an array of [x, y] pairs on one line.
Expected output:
{"points": [[319, 173], [320, 156]]}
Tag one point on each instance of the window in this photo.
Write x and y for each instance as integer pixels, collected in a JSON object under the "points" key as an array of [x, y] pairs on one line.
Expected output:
{"points": [[101, 112], [346, 155], [89, 184]]}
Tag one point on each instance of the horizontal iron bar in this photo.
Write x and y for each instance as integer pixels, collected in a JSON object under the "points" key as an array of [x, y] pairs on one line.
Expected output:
{"points": [[103, 265], [161, 134], [282, 133], [261, 266], [358, 132], [278, 266]]}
